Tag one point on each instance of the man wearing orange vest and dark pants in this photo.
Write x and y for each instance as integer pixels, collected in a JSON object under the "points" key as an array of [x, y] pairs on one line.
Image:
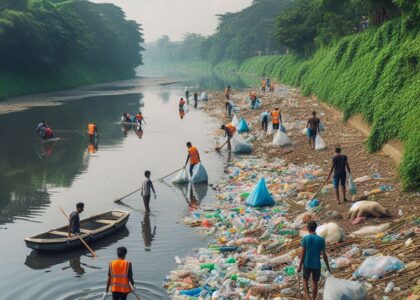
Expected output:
{"points": [[193, 157], [92, 131], [276, 118], [230, 130], [120, 277]]}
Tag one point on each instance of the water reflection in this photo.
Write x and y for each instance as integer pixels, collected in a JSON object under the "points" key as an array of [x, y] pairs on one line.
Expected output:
{"points": [[147, 232]]}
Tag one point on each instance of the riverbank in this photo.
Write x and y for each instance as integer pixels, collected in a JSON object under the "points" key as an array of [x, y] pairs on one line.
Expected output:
{"points": [[270, 237]]}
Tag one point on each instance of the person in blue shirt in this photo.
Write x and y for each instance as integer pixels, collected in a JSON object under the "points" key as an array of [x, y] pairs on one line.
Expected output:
{"points": [[312, 247]]}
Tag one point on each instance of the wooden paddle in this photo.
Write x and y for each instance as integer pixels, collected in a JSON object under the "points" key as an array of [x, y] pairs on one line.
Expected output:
{"points": [[134, 293], [139, 189], [80, 238]]}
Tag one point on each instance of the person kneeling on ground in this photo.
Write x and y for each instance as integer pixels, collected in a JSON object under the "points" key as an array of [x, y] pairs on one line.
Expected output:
{"points": [[339, 165], [145, 191], [120, 277], [312, 247]]}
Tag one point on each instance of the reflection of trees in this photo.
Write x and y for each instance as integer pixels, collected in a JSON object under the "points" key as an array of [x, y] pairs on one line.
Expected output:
{"points": [[24, 177], [221, 80]]}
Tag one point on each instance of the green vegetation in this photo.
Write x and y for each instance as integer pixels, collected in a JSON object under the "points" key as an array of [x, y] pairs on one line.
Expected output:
{"points": [[53, 44]]}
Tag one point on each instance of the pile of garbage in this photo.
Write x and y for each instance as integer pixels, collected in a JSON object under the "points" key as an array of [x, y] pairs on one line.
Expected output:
{"points": [[254, 231]]}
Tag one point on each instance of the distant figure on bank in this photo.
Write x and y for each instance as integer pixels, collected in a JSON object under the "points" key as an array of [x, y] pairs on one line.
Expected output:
{"points": [[276, 118], [364, 23], [187, 95], [253, 98], [312, 129], [267, 82], [74, 219], [195, 99], [126, 118], [181, 104], [193, 157], [92, 132], [312, 247], [264, 121], [40, 128], [271, 87], [263, 84], [339, 165], [227, 92], [229, 107], [146, 190], [120, 277], [229, 130], [48, 133]]}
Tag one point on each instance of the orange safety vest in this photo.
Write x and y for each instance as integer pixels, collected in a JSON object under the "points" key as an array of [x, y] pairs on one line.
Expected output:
{"points": [[263, 83], [275, 116], [119, 276], [194, 156], [139, 117], [230, 129], [91, 129]]}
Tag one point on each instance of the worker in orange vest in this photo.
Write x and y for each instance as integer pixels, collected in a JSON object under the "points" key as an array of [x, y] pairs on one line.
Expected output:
{"points": [[120, 277], [276, 118], [230, 130], [92, 132], [193, 157], [139, 118], [263, 84]]}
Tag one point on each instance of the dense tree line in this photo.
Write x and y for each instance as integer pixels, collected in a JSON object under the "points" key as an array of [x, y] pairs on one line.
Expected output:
{"points": [[38, 36]]}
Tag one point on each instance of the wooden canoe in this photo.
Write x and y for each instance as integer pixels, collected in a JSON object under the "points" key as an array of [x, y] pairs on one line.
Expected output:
{"points": [[92, 229]]}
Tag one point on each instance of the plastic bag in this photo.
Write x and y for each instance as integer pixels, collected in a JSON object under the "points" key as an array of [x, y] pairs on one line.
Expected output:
{"points": [[270, 128], [236, 109], [368, 230], [331, 232], [186, 108], [204, 97], [235, 121], [199, 174], [281, 139], [305, 131], [243, 126], [240, 146], [319, 143], [342, 289], [352, 186], [378, 266], [181, 177], [282, 128]]}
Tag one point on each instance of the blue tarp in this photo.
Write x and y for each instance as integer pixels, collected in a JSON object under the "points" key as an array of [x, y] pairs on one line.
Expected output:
{"points": [[260, 195], [243, 126]]}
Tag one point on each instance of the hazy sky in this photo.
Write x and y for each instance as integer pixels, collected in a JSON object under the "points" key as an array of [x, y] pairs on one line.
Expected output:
{"points": [[176, 17]]}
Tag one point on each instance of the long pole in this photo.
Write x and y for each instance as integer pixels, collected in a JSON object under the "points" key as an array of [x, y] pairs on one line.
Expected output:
{"points": [[80, 238], [317, 192], [134, 293], [139, 189]]}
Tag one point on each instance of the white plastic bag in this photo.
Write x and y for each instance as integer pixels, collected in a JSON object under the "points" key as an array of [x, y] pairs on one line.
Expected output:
{"points": [[319, 143], [378, 266], [352, 186], [331, 232], [235, 121], [186, 108], [305, 131], [368, 230], [199, 174], [240, 146], [281, 139], [270, 128], [341, 289], [181, 177]]}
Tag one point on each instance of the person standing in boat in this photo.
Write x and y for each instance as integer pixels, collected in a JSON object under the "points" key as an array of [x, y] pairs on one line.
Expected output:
{"points": [[74, 220], [147, 188], [120, 277]]}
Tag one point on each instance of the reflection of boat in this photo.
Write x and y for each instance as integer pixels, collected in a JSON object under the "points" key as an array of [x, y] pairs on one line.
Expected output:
{"points": [[38, 261], [92, 229]]}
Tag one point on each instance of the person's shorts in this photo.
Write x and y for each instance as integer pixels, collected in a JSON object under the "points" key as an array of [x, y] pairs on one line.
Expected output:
{"points": [[339, 179], [316, 274], [310, 133]]}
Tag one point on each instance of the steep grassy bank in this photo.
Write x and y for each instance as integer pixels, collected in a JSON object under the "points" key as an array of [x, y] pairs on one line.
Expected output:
{"points": [[375, 73]]}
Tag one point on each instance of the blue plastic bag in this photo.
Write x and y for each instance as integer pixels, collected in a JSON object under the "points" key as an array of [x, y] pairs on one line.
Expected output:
{"points": [[243, 126], [199, 174], [352, 186], [260, 196]]}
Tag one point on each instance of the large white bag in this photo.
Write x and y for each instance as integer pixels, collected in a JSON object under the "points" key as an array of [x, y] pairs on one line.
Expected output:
{"points": [[270, 128], [240, 146], [341, 289], [199, 174], [331, 232], [181, 177], [235, 121], [281, 139], [319, 143]]}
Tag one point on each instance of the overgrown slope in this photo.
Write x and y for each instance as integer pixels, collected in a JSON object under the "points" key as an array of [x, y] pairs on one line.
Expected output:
{"points": [[375, 73]]}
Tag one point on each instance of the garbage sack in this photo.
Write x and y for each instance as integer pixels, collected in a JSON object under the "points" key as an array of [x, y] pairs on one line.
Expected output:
{"points": [[352, 186], [181, 177], [235, 121], [282, 128], [367, 208], [260, 196], [203, 96], [270, 128], [186, 108], [321, 127], [342, 289], [378, 266], [305, 131], [368, 230], [236, 109], [319, 142], [331, 232], [199, 174], [281, 139], [240, 146], [243, 126]]}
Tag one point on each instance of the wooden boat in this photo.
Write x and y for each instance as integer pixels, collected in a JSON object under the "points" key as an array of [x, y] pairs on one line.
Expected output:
{"points": [[92, 229], [130, 123]]}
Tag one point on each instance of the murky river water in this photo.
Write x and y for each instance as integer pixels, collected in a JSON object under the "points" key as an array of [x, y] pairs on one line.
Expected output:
{"points": [[37, 178]]}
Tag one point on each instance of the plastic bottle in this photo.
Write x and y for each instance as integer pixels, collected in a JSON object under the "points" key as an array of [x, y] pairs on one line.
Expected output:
{"points": [[389, 287], [209, 266], [354, 251]]}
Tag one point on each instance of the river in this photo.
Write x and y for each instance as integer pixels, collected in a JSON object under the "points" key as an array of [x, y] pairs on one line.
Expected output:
{"points": [[37, 178]]}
